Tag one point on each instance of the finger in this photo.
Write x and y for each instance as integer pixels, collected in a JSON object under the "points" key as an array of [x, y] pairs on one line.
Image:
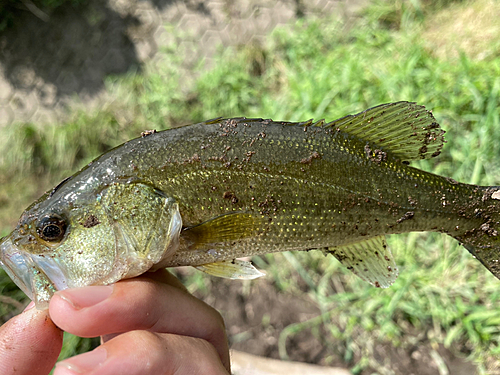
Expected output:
{"points": [[145, 353], [165, 277], [162, 276], [138, 304], [29, 344]]}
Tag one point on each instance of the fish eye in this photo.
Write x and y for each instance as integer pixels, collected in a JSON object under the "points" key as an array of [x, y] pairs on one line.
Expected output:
{"points": [[51, 228]]}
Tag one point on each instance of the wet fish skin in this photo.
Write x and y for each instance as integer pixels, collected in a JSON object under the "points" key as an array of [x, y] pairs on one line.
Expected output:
{"points": [[241, 187]]}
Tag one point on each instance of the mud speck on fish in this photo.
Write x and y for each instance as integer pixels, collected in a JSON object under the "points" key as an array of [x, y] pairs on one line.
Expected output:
{"points": [[309, 159], [377, 156], [231, 196], [406, 216], [148, 132], [91, 221]]}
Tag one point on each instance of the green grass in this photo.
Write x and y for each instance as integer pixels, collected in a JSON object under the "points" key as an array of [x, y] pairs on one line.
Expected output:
{"points": [[318, 69]]}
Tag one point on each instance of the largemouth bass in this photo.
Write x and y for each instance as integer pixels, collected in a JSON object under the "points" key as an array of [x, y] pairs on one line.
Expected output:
{"points": [[204, 195]]}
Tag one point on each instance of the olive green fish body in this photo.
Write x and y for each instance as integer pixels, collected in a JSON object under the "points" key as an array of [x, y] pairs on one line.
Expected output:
{"points": [[205, 194], [306, 187]]}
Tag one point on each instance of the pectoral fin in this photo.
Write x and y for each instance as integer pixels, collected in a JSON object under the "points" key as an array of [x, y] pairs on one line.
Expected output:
{"points": [[225, 228], [233, 269], [371, 260]]}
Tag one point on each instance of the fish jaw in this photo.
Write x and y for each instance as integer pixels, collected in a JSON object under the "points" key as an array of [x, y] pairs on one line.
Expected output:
{"points": [[36, 283]]}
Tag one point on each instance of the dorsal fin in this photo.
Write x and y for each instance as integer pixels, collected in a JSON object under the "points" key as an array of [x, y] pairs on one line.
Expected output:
{"points": [[214, 120], [405, 129]]}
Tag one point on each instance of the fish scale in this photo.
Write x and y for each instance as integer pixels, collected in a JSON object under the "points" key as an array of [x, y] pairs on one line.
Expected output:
{"points": [[206, 194]]}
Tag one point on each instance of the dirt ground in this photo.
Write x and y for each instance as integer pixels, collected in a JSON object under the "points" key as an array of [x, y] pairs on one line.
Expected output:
{"points": [[256, 313], [48, 66]]}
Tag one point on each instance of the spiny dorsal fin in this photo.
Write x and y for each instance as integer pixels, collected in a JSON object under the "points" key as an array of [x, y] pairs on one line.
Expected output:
{"points": [[225, 228], [233, 269], [371, 260], [405, 129], [214, 120]]}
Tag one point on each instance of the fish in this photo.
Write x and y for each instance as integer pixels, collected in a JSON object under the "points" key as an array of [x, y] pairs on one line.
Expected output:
{"points": [[207, 194]]}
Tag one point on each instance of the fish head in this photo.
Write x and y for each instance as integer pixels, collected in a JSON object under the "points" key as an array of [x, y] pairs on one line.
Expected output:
{"points": [[39, 252], [93, 237]]}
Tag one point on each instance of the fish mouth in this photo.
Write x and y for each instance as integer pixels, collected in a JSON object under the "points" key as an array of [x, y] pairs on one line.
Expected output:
{"points": [[34, 275]]}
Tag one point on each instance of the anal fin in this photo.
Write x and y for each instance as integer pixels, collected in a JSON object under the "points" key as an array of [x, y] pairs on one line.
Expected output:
{"points": [[232, 269], [371, 260]]}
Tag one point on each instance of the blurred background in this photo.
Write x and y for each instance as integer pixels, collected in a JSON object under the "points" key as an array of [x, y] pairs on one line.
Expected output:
{"points": [[79, 77]]}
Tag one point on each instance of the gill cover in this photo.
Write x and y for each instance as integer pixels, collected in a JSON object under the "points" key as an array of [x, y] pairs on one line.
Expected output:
{"points": [[146, 224]]}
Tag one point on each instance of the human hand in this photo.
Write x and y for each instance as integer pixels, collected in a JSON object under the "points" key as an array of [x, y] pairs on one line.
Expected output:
{"points": [[29, 343], [148, 325]]}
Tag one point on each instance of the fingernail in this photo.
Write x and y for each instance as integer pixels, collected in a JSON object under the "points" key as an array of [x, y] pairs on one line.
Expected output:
{"points": [[87, 296], [82, 363], [30, 306]]}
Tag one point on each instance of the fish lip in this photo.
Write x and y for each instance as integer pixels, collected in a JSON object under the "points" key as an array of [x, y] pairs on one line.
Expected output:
{"points": [[16, 266], [36, 276]]}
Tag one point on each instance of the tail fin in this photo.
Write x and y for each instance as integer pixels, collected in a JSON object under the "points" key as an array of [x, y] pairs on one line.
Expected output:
{"points": [[488, 255]]}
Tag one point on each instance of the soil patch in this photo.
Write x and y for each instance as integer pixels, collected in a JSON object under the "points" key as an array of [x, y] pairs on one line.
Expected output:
{"points": [[257, 312]]}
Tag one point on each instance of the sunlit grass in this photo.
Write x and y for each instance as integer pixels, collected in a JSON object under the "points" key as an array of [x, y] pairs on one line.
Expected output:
{"points": [[319, 69], [472, 29]]}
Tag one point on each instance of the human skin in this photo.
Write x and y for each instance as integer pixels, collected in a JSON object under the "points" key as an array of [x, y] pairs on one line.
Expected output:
{"points": [[148, 325]]}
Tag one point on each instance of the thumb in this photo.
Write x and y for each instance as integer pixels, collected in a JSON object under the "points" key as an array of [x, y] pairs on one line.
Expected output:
{"points": [[29, 343]]}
